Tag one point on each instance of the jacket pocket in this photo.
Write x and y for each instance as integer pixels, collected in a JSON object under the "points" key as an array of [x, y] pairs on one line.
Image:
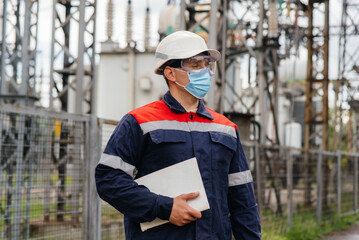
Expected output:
{"points": [[167, 136], [166, 147], [225, 140]]}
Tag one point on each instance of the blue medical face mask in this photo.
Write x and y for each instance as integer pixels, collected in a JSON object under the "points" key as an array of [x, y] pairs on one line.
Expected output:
{"points": [[199, 82]]}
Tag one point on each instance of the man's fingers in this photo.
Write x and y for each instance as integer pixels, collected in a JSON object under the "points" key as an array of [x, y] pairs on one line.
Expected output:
{"points": [[189, 218], [193, 218], [189, 196], [191, 211], [182, 213], [194, 213]]}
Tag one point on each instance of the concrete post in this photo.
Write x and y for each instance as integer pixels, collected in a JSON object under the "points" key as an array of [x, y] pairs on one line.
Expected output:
{"points": [[93, 201]]}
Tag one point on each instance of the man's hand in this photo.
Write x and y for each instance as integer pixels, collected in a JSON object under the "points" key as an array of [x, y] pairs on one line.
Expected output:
{"points": [[182, 213]]}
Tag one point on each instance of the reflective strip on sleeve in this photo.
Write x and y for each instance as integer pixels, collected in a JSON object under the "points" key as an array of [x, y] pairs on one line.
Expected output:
{"points": [[239, 178], [187, 127], [117, 163]]}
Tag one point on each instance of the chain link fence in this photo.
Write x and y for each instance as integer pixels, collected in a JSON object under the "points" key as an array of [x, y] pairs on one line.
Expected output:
{"points": [[42, 175], [292, 182], [47, 186]]}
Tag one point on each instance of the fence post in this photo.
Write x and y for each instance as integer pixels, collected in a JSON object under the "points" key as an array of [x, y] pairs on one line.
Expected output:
{"points": [[290, 186], [339, 178], [46, 168], [258, 177], [19, 177], [91, 200], [319, 186], [355, 183], [31, 167], [76, 170]]}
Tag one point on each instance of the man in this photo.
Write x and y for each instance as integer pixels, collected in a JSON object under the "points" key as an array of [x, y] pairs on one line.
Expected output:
{"points": [[173, 130]]}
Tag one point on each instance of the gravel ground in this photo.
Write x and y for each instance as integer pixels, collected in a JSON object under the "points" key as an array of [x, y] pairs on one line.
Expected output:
{"points": [[350, 234]]}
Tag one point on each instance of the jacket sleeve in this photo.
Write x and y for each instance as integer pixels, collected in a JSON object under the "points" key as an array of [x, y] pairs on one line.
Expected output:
{"points": [[242, 205], [116, 171]]}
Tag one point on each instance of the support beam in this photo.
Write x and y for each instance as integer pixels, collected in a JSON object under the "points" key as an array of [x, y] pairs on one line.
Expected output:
{"points": [[18, 52], [72, 70], [348, 66], [316, 106]]}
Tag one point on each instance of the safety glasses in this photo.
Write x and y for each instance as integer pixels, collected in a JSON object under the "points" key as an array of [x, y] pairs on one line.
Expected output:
{"points": [[199, 64]]}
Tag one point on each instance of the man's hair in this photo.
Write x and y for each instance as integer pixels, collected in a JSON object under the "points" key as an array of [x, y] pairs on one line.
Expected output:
{"points": [[174, 63]]}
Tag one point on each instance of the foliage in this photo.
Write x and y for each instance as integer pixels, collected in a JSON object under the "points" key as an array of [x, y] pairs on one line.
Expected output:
{"points": [[305, 227]]}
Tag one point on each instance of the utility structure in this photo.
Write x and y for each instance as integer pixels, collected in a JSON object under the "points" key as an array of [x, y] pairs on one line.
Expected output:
{"points": [[316, 105], [246, 31], [18, 44], [72, 71], [253, 33], [250, 34], [347, 86], [72, 78]]}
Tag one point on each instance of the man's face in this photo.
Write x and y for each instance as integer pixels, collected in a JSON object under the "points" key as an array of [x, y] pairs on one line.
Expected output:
{"points": [[191, 64]]}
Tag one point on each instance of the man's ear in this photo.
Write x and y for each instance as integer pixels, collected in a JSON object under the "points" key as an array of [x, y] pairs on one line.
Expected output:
{"points": [[170, 74]]}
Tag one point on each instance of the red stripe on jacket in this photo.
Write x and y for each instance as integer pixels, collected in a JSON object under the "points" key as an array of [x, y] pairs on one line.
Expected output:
{"points": [[159, 111]]}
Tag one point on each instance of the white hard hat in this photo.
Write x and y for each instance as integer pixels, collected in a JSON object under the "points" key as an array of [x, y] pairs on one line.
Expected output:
{"points": [[181, 45]]}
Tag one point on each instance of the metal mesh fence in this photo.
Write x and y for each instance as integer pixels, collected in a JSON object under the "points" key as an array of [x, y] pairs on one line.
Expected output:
{"points": [[47, 186], [41, 183], [347, 177], [292, 183]]}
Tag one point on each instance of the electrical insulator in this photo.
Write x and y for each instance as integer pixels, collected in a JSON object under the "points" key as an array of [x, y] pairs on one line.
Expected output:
{"points": [[273, 20], [109, 30], [129, 23], [147, 29]]}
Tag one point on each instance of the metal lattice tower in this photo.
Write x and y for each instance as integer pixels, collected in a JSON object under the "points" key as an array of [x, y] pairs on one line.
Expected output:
{"points": [[253, 32], [18, 45], [18, 42], [316, 117], [348, 75], [72, 73], [244, 31], [316, 106]]}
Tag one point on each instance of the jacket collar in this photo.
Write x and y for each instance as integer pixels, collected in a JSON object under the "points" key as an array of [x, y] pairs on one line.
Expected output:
{"points": [[174, 105]]}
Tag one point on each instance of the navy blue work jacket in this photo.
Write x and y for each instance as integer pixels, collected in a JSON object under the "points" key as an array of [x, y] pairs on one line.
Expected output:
{"points": [[161, 134]]}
